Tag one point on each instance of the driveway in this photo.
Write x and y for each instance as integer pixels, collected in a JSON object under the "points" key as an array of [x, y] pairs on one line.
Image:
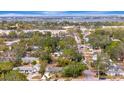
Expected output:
{"points": [[89, 75]]}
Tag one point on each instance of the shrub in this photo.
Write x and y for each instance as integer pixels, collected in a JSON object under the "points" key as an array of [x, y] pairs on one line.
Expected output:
{"points": [[13, 76], [73, 70], [63, 62], [34, 63]]}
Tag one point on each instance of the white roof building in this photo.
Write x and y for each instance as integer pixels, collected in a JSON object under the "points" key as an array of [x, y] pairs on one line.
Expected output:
{"points": [[9, 43], [112, 26]]}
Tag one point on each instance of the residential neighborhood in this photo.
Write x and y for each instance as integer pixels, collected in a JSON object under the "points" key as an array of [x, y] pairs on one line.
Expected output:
{"points": [[61, 49]]}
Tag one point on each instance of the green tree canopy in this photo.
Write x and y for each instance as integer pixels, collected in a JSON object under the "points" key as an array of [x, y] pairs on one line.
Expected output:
{"points": [[6, 66], [15, 76], [73, 70]]}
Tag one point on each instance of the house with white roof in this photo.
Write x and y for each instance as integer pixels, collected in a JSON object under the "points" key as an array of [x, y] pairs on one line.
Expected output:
{"points": [[10, 43]]}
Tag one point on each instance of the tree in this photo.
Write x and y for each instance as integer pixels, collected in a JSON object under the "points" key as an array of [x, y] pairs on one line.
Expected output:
{"points": [[116, 50], [67, 42], [43, 65], [36, 38], [99, 40], [13, 34], [63, 62], [20, 48], [5, 67], [50, 43], [18, 61], [72, 54], [45, 56], [102, 64], [73, 70], [118, 33], [34, 63], [2, 40], [4, 48], [15, 76], [22, 34]]}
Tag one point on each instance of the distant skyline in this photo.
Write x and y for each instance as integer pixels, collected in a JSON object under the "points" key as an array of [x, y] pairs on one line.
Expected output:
{"points": [[59, 13]]}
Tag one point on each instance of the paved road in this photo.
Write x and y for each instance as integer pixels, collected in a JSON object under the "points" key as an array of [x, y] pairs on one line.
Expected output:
{"points": [[78, 41], [79, 45], [89, 75]]}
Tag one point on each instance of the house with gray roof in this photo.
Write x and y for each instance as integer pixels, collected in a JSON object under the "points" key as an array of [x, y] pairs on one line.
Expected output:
{"points": [[28, 69], [115, 70], [29, 59], [53, 69]]}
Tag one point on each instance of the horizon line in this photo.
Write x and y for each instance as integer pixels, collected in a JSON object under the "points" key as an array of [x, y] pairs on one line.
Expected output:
{"points": [[61, 13]]}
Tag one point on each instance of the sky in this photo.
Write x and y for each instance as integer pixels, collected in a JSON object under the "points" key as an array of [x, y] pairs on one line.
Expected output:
{"points": [[59, 13]]}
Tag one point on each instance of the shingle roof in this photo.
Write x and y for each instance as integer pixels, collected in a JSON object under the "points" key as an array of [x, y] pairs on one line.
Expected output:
{"points": [[29, 59]]}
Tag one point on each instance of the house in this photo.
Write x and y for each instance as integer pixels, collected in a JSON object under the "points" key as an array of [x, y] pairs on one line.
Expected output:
{"points": [[57, 54], [53, 69], [30, 59], [115, 73], [86, 33], [10, 43], [83, 28], [86, 39], [116, 40], [88, 56], [97, 50], [7, 56], [115, 70], [67, 27], [28, 69], [94, 57], [112, 26], [35, 47], [48, 72], [2, 32]]}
